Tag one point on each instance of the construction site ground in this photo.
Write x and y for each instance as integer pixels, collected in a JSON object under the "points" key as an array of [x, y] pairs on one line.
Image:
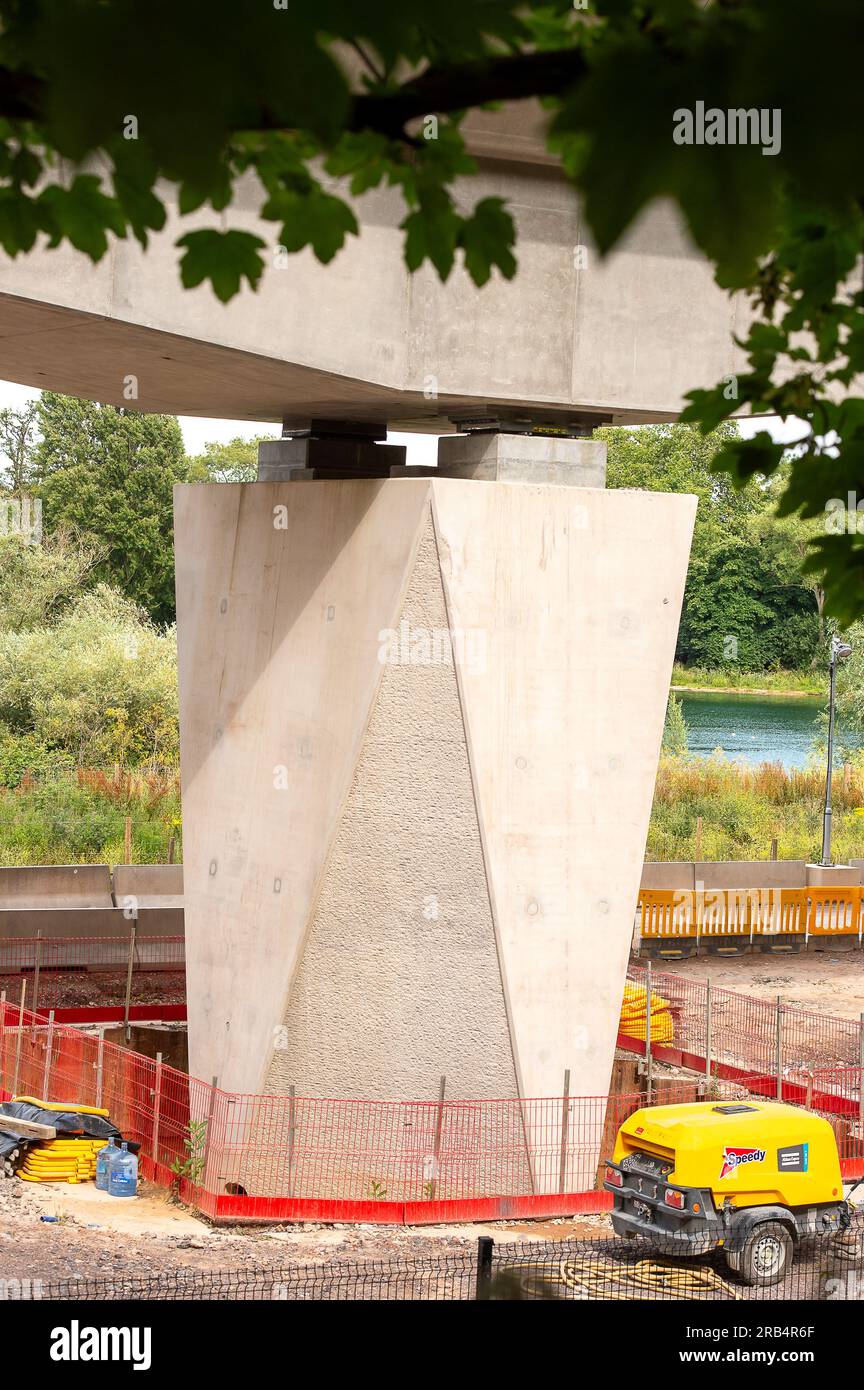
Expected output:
{"points": [[824, 982], [97, 1236]]}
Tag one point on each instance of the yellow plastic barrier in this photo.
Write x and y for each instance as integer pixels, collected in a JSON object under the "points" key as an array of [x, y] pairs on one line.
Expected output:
{"points": [[778, 911], [834, 911], [667, 912], [65, 1107], [679, 914]]}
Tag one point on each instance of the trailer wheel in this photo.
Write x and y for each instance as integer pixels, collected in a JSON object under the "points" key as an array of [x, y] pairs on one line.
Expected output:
{"points": [[764, 1256]]}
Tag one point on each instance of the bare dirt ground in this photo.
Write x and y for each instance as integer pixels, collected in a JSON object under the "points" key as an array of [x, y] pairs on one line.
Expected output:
{"points": [[85, 989], [824, 982], [102, 1237]]}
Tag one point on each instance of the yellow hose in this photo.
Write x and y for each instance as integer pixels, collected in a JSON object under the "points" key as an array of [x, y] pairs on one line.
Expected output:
{"points": [[592, 1278]]}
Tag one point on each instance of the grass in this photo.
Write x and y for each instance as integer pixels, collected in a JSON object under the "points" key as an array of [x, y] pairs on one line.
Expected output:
{"points": [[743, 808], [79, 817], [730, 678]]}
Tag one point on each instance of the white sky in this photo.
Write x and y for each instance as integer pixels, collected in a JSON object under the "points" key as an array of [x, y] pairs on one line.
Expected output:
{"points": [[422, 448]]}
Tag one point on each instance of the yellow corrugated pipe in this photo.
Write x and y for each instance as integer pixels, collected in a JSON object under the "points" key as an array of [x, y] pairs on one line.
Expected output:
{"points": [[61, 1160], [633, 1015]]}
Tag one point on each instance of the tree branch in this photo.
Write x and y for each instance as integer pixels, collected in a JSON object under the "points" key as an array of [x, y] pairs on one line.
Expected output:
{"points": [[21, 96], [437, 90], [512, 77]]}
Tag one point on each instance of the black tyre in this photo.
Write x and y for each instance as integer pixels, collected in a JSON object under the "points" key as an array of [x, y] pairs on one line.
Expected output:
{"points": [[764, 1255]]}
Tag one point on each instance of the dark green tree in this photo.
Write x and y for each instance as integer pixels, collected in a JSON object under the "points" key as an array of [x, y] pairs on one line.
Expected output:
{"points": [[107, 475], [746, 603], [18, 436]]}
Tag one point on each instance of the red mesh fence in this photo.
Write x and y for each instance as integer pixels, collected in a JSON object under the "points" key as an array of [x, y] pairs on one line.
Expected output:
{"points": [[277, 1157], [221, 1148], [744, 1030], [91, 972]]}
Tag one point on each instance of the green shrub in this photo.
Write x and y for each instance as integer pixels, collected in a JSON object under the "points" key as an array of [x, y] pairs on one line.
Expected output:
{"points": [[99, 686]]}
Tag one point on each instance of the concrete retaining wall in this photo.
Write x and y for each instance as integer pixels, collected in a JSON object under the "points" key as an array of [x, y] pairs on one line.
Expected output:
{"points": [[749, 873]]}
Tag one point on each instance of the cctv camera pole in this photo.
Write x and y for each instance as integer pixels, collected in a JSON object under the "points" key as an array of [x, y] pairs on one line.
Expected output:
{"points": [[839, 651], [826, 819]]}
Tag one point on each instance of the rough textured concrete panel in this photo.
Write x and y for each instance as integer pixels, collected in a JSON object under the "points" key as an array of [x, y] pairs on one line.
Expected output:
{"points": [[745, 873], [55, 885], [663, 876], [399, 982], [510, 458]]}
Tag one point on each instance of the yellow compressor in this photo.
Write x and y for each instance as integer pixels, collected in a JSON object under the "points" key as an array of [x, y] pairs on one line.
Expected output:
{"points": [[749, 1176]]}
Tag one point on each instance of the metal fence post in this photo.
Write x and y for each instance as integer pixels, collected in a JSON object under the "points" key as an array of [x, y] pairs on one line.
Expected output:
{"points": [[18, 1039], [292, 1135], [648, 1055], [861, 1080], [38, 967], [2, 1039], [485, 1246], [436, 1143], [132, 933], [49, 1048], [708, 1004], [157, 1106], [779, 1047], [100, 1062], [208, 1136], [565, 1133]]}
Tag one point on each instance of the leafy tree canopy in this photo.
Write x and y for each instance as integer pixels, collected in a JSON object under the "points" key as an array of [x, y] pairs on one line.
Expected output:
{"points": [[746, 603], [108, 475], [322, 101], [233, 462]]}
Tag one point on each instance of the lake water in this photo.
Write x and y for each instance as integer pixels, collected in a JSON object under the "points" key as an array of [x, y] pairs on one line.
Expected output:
{"points": [[752, 728]]}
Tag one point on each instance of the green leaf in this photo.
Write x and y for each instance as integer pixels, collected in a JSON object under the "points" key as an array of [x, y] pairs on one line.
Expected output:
{"points": [[20, 221], [226, 259], [311, 218], [487, 238], [743, 458], [83, 215], [431, 233]]}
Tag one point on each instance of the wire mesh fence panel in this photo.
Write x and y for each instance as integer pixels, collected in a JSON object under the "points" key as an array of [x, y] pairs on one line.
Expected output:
{"points": [[91, 972], [751, 1033], [823, 1269]]}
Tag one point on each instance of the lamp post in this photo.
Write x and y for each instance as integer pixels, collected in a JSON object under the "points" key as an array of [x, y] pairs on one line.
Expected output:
{"points": [[839, 651]]}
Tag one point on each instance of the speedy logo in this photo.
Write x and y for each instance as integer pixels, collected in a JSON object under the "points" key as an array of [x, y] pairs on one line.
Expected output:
{"points": [[733, 1158]]}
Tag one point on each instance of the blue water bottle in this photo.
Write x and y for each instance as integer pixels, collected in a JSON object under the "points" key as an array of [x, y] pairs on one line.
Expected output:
{"points": [[123, 1174], [104, 1159]]}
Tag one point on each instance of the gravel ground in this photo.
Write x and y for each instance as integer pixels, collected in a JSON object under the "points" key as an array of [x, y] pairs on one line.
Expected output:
{"points": [[75, 1246]]}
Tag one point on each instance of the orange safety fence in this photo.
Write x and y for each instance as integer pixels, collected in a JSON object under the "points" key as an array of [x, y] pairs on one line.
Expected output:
{"points": [[748, 914]]}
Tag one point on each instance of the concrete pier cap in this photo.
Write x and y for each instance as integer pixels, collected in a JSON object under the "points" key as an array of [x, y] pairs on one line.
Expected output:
{"points": [[491, 450]]}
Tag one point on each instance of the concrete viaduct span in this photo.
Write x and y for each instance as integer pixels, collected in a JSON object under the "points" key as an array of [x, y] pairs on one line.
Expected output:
{"points": [[421, 710]]}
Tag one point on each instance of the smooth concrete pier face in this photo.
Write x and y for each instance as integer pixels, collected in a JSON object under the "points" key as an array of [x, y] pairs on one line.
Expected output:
{"points": [[420, 722]]}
